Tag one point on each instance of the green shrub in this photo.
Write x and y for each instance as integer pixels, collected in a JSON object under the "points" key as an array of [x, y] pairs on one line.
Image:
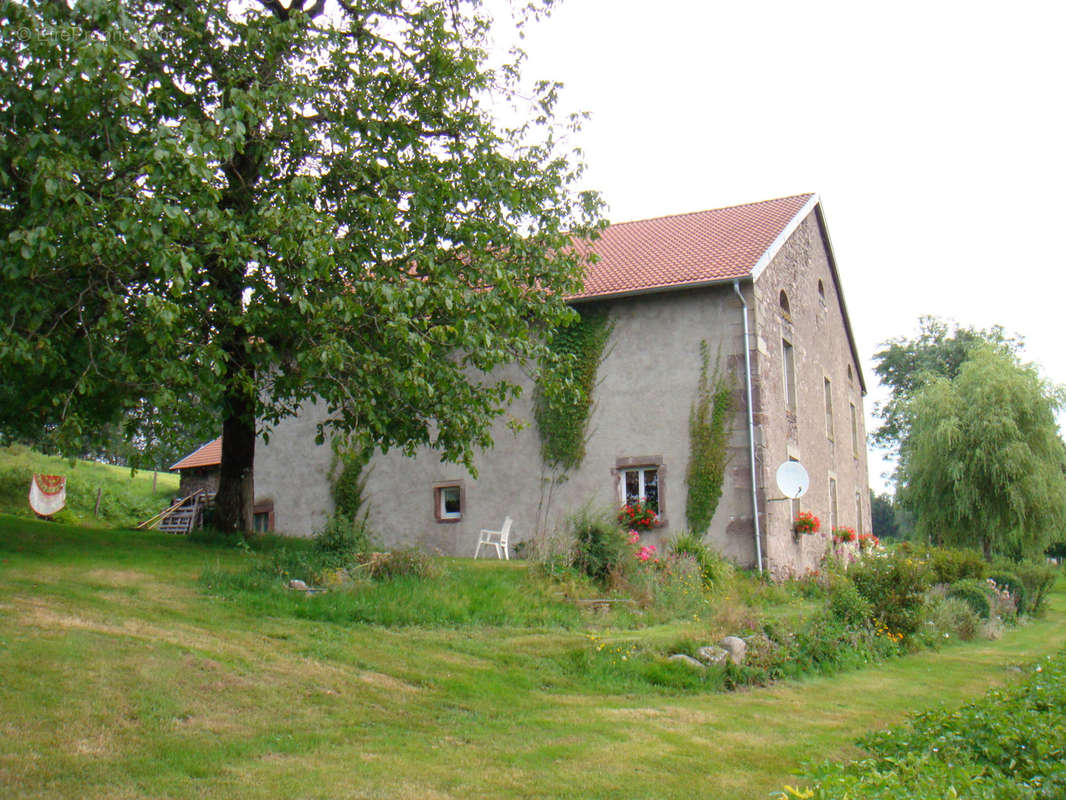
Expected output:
{"points": [[1007, 746], [950, 565], [714, 569], [975, 593], [1038, 578], [405, 562], [894, 584], [1010, 582], [669, 589], [847, 605], [600, 544], [343, 538], [947, 618]]}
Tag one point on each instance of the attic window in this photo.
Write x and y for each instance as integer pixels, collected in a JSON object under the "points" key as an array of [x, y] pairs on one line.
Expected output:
{"points": [[786, 310], [821, 291]]}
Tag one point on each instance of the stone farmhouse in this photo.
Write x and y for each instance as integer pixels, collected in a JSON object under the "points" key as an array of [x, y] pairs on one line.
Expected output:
{"points": [[759, 284]]}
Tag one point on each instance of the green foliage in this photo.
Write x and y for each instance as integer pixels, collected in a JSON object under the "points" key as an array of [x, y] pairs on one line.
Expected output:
{"points": [[950, 565], [982, 462], [894, 584], [1008, 580], [125, 499], [671, 588], [342, 538], [975, 593], [715, 570], [600, 545], [847, 605], [259, 205], [883, 516], [948, 617], [404, 562], [1010, 745], [457, 593], [1038, 577], [906, 365], [709, 428], [348, 480], [563, 397]]}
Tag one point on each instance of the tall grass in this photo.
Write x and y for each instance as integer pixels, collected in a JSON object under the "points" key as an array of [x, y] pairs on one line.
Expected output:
{"points": [[125, 499]]}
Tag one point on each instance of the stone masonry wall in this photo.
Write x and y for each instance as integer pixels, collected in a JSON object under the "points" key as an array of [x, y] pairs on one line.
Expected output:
{"points": [[815, 327]]}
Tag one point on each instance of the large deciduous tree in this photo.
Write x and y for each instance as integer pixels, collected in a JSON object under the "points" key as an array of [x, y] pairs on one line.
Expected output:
{"points": [[982, 464], [230, 209]]}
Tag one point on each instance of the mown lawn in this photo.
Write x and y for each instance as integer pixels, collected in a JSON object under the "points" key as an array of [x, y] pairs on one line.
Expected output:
{"points": [[122, 677]]}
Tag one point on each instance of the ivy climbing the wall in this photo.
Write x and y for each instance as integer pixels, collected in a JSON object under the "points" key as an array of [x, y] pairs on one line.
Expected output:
{"points": [[563, 399], [348, 476], [710, 425]]}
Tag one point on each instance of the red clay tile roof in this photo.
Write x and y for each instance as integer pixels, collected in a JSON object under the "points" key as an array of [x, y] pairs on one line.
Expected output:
{"points": [[209, 455], [701, 247]]}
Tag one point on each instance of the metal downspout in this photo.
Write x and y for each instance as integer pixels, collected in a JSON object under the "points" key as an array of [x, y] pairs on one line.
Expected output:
{"points": [[751, 429]]}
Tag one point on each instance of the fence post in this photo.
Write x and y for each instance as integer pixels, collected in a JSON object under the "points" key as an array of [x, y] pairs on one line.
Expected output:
{"points": [[96, 511]]}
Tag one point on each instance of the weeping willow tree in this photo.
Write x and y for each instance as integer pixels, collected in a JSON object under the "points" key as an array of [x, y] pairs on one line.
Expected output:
{"points": [[983, 464]]}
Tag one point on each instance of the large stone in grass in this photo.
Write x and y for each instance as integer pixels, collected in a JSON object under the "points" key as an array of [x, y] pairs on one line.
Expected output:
{"points": [[297, 585], [712, 654], [736, 647], [681, 658]]}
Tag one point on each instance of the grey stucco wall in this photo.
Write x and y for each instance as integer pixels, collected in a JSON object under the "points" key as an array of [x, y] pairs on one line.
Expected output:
{"points": [[816, 330], [646, 385], [293, 472]]}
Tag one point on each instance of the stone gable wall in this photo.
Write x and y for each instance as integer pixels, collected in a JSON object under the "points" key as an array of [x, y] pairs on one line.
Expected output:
{"points": [[817, 332]]}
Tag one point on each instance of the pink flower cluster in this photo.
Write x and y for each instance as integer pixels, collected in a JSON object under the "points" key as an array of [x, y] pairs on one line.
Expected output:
{"points": [[647, 553]]}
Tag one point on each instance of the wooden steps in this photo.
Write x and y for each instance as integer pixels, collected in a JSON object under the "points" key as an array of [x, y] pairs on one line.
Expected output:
{"points": [[181, 517]]}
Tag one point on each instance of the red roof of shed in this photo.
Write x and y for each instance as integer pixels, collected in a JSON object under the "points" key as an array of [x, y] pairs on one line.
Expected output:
{"points": [[209, 455]]}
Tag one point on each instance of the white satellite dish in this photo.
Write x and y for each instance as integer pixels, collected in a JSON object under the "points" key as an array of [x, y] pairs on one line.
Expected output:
{"points": [[793, 480]]}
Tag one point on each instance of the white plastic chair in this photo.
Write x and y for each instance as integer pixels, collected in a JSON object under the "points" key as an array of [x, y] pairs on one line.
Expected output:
{"points": [[497, 539]]}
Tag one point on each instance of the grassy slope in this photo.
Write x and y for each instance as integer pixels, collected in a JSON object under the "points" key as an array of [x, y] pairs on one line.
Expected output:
{"points": [[119, 678], [125, 500]]}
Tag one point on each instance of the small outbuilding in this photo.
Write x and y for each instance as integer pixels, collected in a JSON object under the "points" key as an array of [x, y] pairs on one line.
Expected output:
{"points": [[199, 469]]}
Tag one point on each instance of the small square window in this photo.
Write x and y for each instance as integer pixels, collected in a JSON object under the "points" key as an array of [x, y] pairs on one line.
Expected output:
{"points": [[642, 479], [642, 486], [448, 502]]}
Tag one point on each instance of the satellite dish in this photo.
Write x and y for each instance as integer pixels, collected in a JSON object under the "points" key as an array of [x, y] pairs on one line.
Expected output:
{"points": [[793, 480]]}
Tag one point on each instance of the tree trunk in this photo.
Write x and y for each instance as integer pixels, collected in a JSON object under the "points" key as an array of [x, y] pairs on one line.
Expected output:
{"points": [[236, 486]]}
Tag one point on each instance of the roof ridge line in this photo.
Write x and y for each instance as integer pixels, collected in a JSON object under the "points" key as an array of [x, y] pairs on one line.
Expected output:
{"points": [[708, 210]]}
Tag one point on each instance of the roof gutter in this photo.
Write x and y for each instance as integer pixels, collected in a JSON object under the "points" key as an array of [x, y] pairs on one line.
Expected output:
{"points": [[672, 287], [751, 427]]}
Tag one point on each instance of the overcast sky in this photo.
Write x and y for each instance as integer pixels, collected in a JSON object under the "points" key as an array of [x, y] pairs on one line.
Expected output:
{"points": [[933, 133]]}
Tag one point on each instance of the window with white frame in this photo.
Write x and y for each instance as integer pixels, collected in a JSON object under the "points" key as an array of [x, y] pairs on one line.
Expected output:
{"points": [[642, 486], [642, 479], [448, 501]]}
